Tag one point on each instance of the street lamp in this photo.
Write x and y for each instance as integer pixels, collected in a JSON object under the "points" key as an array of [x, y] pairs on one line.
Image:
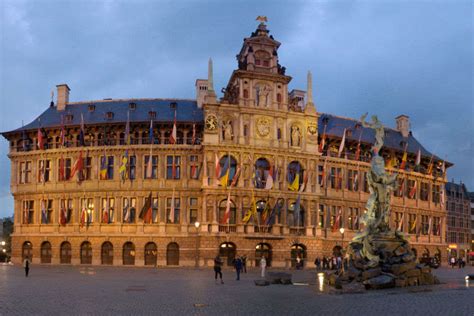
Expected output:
{"points": [[197, 224], [3, 242], [341, 230]]}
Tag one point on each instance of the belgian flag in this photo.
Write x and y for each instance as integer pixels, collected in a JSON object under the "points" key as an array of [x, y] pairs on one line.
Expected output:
{"points": [[146, 211]]}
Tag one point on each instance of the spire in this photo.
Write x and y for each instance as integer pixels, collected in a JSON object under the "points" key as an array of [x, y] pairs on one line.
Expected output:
{"points": [[310, 107], [210, 81]]}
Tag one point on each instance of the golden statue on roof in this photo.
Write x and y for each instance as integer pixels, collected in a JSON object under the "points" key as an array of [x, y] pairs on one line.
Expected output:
{"points": [[262, 18]]}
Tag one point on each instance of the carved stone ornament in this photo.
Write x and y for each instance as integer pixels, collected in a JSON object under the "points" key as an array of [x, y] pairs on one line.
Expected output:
{"points": [[263, 126], [312, 128], [211, 122]]}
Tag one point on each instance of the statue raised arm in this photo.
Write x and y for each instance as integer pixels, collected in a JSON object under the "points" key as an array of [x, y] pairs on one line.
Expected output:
{"points": [[379, 131]]}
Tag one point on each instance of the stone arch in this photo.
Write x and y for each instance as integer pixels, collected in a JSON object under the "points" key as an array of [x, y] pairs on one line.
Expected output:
{"points": [[227, 251], [27, 250], [65, 252], [265, 250], [107, 253], [46, 252], [296, 217], [128, 253], [222, 210], [151, 252], [172, 254], [86, 253], [298, 250], [295, 169], [228, 160], [262, 170]]}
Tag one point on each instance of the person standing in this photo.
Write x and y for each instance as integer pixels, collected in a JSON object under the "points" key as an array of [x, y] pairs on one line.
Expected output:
{"points": [[244, 263], [453, 262], [263, 265], [238, 266], [298, 261], [218, 268], [317, 263], [26, 265]]}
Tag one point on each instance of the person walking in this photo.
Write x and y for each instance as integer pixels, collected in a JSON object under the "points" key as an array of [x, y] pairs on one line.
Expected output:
{"points": [[218, 268], [317, 263], [26, 265], [453, 262], [325, 263], [263, 265], [244, 263], [238, 266]]}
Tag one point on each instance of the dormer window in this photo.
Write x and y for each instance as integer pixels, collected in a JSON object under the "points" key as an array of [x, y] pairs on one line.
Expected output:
{"points": [[173, 105], [262, 58], [109, 115], [152, 115], [68, 118], [349, 132], [403, 144], [132, 106], [91, 107]]}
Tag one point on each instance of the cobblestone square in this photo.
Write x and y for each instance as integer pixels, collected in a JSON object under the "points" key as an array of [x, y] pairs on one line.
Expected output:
{"points": [[74, 290]]}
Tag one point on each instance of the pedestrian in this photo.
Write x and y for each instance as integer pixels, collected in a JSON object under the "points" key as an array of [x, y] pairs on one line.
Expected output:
{"points": [[238, 266], [263, 265], [26, 265], [317, 263], [218, 268], [325, 263], [298, 262], [244, 263], [453, 262], [460, 263]]}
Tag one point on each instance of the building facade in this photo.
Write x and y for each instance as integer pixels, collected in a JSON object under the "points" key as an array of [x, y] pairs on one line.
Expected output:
{"points": [[258, 172], [458, 208]]}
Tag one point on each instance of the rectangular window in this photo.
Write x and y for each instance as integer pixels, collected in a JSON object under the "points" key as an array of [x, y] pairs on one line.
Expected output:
{"points": [[352, 180], [193, 210], [151, 171], [46, 211], [172, 218], [108, 210], [424, 191], [87, 211], [322, 209], [106, 171], [424, 225], [44, 170], [64, 169], [28, 212], [336, 178], [65, 211], [353, 218], [332, 220], [400, 191], [435, 195], [87, 172], [412, 189], [154, 210], [132, 167], [193, 167], [25, 172], [173, 168], [412, 223], [129, 210], [365, 186], [399, 221], [436, 226]]}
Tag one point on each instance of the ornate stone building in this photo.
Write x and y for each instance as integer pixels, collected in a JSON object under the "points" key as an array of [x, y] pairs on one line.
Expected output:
{"points": [[260, 170], [458, 225]]}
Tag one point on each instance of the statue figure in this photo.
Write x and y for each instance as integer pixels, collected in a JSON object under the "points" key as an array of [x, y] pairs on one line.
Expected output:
{"points": [[379, 131], [295, 136], [262, 93], [227, 128]]}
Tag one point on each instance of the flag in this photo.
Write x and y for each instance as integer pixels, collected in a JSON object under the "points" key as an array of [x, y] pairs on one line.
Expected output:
{"points": [[400, 223], [126, 212], [441, 194], [44, 215], [341, 146], [173, 167], [40, 139], [430, 225], [123, 166], [295, 181], [323, 139], [78, 166], [275, 211], [265, 213], [82, 133], [297, 210], [63, 214], [173, 136], [413, 226], [226, 217], [337, 222], [26, 213], [413, 190], [194, 170], [62, 173], [62, 134], [355, 184], [438, 232], [83, 216], [323, 174], [127, 130], [24, 140], [235, 179], [392, 162], [418, 158], [217, 166], [105, 212], [41, 172], [225, 172], [172, 210], [404, 160], [103, 167], [146, 211], [193, 140], [150, 133], [252, 211], [149, 167], [305, 181], [356, 222], [269, 183], [430, 166], [357, 153], [401, 189]]}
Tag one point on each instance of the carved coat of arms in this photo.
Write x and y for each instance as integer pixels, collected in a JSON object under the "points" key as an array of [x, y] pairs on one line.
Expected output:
{"points": [[263, 126]]}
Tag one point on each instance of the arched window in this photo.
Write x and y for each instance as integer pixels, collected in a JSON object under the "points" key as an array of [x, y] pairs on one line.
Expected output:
{"points": [[222, 209], [295, 176], [296, 214], [263, 211], [46, 252], [227, 163], [86, 253], [27, 250], [263, 250], [246, 94], [128, 253], [172, 254], [107, 253], [262, 169], [262, 58], [65, 253], [151, 254], [227, 252], [297, 251], [279, 98]]}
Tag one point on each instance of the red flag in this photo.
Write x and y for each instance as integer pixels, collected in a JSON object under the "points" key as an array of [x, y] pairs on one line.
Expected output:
{"points": [[418, 158], [173, 168], [83, 216], [323, 140], [78, 165], [337, 223], [194, 134], [62, 175], [40, 139], [173, 135], [357, 153], [218, 167], [235, 179], [343, 142], [62, 214], [413, 191], [226, 218]]}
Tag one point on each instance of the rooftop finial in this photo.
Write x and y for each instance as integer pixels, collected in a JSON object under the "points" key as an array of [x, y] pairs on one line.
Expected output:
{"points": [[262, 18], [310, 108], [210, 80]]}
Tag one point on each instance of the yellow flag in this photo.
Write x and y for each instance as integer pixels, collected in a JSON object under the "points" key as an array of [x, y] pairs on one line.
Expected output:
{"points": [[413, 226], [251, 211], [295, 185], [225, 178]]}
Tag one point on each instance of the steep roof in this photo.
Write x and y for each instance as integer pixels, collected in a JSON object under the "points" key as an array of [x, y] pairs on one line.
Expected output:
{"points": [[457, 187]]}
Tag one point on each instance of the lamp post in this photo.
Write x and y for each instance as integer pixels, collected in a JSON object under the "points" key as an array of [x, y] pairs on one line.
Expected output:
{"points": [[341, 230], [197, 224]]}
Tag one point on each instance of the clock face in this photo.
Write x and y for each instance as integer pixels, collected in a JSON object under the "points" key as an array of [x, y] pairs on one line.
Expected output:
{"points": [[211, 122]]}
